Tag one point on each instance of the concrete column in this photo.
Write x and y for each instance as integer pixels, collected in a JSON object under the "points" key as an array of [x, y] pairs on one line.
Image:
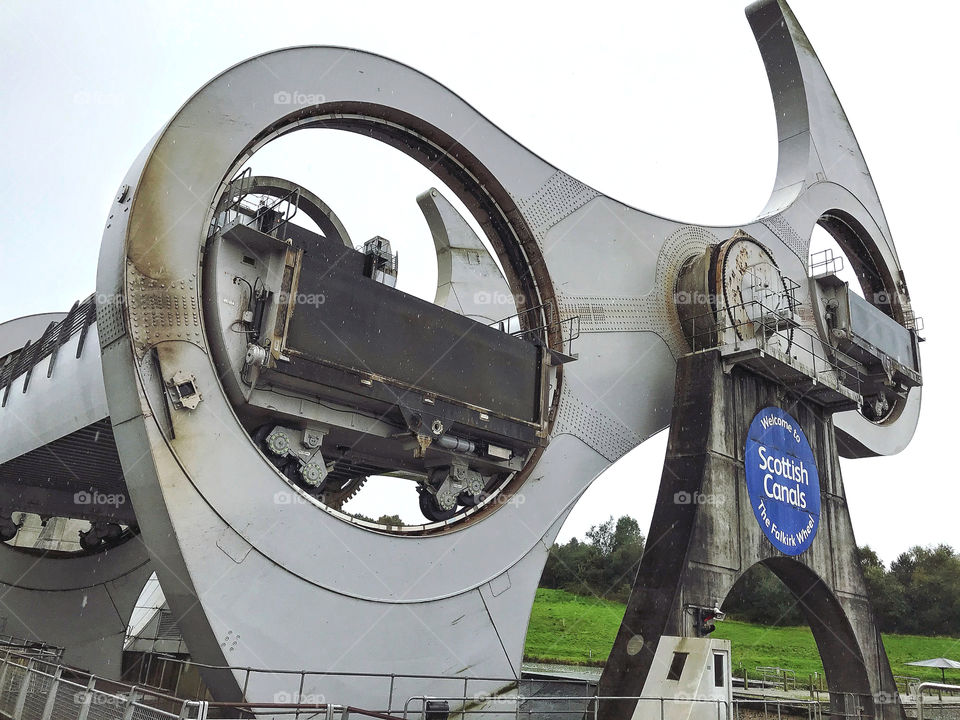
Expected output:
{"points": [[704, 537]]}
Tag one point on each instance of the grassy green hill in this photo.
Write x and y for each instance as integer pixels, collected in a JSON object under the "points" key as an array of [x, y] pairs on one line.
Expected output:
{"points": [[568, 628]]}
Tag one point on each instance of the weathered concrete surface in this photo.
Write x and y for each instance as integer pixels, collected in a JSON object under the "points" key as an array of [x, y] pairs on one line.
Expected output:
{"points": [[696, 552]]}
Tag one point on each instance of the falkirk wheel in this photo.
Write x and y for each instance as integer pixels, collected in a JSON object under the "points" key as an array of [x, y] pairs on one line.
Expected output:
{"points": [[205, 381]]}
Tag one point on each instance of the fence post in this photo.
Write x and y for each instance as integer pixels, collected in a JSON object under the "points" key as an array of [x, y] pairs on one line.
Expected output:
{"points": [[87, 699], [130, 704], [22, 697], [300, 694], [3, 674], [52, 694]]}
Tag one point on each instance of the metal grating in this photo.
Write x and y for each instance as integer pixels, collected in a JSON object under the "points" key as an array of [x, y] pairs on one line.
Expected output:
{"points": [[106, 708], [36, 697], [11, 688], [84, 460], [167, 627], [68, 702]]}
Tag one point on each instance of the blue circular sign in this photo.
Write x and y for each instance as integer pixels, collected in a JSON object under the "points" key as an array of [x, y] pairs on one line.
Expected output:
{"points": [[782, 481]]}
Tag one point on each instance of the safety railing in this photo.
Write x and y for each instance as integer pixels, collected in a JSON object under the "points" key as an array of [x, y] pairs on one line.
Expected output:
{"points": [[269, 220], [906, 683], [264, 216], [294, 690], [777, 677], [554, 707], [833, 705], [30, 648], [940, 688], [560, 707], [763, 708], [231, 206], [297, 697], [35, 686], [772, 329], [538, 323], [825, 263], [539, 707]]}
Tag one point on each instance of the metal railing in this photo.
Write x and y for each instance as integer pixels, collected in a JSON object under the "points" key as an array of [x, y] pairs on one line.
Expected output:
{"points": [[768, 708], [584, 706], [35, 686], [505, 697], [906, 683], [266, 212], [30, 648], [778, 677], [773, 330], [541, 321], [296, 688], [939, 687], [557, 707], [825, 263], [239, 189]]}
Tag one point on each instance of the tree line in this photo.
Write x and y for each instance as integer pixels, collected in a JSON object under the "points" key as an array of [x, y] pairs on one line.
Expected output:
{"points": [[919, 594]]}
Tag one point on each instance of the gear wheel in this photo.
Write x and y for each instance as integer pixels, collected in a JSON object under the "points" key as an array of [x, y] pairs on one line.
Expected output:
{"points": [[313, 474], [447, 500], [337, 498], [278, 442], [475, 485]]}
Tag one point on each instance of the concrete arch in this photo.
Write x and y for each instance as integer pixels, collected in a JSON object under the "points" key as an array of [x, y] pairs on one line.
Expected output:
{"points": [[840, 652]]}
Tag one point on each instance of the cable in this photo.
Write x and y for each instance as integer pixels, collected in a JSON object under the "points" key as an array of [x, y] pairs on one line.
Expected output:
{"points": [[241, 332], [237, 278]]}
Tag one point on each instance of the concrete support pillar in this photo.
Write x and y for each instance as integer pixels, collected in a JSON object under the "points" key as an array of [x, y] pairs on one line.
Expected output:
{"points": [[704, 536]]}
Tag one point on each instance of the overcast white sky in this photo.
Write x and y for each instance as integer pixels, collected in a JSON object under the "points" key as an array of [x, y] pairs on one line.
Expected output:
{"points": [[661, 105]]}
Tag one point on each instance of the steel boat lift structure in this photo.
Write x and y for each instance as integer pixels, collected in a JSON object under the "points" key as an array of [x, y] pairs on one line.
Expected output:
{"points": [[237, 376]]}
